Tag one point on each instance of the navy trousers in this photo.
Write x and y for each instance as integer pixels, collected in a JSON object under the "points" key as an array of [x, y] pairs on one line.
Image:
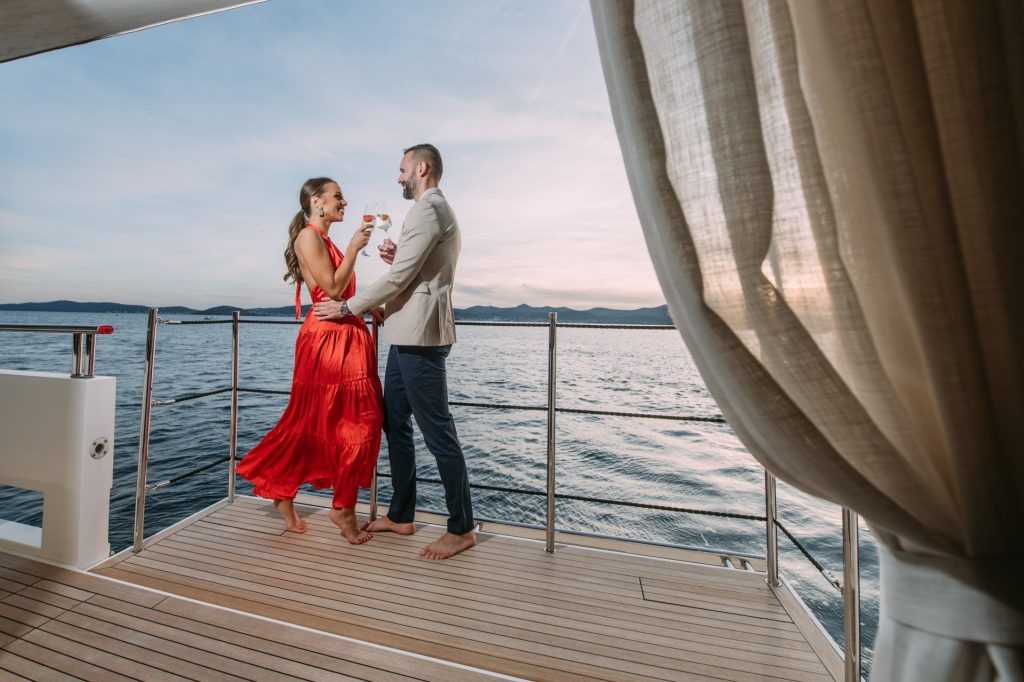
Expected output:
{"points": [[416, 385]]}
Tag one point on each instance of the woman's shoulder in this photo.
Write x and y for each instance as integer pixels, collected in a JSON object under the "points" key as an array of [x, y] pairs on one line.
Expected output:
{"points": [[308, 236]]}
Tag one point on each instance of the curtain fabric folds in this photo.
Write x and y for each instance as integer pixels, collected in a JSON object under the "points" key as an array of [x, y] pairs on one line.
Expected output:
{"points": [[833, 197]]}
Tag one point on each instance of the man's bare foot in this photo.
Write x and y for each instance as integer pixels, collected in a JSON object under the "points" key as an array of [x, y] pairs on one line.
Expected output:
{"points": [[448, 545], [295, 523], [345, 519], [386, 525]]}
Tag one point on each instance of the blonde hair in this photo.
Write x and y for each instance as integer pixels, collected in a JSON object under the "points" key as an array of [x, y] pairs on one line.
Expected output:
{"points": [[313, 187]]}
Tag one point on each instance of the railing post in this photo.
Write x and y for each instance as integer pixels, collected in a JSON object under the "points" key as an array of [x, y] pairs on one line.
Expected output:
{"points": [[90, 355], [549, 545], [233, 446], [147, 407], [76, 355], [770, 530], [373, 482], [851, 595]]}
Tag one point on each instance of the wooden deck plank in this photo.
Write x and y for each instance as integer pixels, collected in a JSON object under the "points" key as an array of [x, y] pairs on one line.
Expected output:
{"points": [[56, 660], [654, 639], [316, 647], [13, 577], [715, 592], [135, 661], [505, 605], [517, 552], [460, 622], [113, 665], [256, 645], [41, 608], [513, 585], [327, 618], [16, 614], [601, 561], [116, 633], [531, 638], [79, 586], [30, 669], [49, 598], [557, 571], [211, 653], [141, 646], [13, 628], [541, 569], [515, 582], [9, 586], [63, 589], [341, 575]]}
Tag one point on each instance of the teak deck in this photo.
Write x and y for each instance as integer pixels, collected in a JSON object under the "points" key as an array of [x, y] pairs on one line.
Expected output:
{"points": [[504, 606]]}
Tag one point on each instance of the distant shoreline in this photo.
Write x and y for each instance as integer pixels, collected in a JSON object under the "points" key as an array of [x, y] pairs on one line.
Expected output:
{"points": [[520, 313]]}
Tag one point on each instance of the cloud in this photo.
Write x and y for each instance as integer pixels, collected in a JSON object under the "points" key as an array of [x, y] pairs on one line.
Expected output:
{"points": [[165, 165]]}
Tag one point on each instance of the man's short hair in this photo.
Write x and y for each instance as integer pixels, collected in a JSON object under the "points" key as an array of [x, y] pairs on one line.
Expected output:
{"points": [[428, 154]]}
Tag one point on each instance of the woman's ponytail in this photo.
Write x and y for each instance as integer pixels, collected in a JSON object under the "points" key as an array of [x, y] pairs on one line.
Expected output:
{"points": [[313, 187]]}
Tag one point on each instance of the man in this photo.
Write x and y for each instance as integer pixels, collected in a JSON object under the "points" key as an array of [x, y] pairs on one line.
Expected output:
{"points": [[421, 328]]}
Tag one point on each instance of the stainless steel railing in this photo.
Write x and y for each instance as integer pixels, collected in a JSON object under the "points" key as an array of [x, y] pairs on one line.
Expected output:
{"points": [[233, 445], [771, 532], [83, 343], [549, 525], [849, 589], [147, 411], [851, 595]]}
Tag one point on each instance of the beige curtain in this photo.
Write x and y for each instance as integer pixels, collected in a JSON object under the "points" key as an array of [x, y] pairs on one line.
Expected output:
{"points": [[833, 197]]}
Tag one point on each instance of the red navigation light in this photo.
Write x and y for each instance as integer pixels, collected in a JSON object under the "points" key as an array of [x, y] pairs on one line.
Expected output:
{"points": [[104, 329]]}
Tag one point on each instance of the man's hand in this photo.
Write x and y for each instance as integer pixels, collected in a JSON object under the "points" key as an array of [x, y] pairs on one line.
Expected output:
{"points": [[328, 310], [379, 315], [387, 251]]}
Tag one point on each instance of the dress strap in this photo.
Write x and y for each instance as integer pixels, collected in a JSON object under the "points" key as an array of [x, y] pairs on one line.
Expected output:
{"points": [[318, 231]]}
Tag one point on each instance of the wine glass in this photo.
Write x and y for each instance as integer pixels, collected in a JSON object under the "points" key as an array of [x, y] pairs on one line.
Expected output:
{"points": [[369, 216], [383, 221]]}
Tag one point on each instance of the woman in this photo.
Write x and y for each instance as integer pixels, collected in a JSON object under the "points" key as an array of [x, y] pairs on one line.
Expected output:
{"points": [[329, 435]]}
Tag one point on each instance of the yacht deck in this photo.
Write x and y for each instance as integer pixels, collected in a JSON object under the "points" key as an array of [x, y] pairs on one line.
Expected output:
{"points": [[505, 606]]}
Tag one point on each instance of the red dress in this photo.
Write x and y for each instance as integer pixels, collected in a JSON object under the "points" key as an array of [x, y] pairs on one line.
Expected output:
{"points": [[329, 435]]}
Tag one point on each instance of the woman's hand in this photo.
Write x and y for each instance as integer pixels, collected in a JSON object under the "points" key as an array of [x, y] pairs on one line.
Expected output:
{"points": [[360, 238]]}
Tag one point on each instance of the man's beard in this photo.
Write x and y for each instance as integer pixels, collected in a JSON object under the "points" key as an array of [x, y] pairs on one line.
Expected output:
{"points": [[410, 187]]}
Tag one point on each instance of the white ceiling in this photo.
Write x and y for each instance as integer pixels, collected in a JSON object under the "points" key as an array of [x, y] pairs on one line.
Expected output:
{"points": [[29, 27]]}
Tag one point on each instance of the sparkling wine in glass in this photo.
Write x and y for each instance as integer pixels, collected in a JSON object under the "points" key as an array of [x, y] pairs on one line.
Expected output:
{"points": [[369, 216], [383, 221]]}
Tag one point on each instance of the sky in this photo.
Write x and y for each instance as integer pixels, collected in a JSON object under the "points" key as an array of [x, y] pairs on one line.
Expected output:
{"points": [[162, 167]]}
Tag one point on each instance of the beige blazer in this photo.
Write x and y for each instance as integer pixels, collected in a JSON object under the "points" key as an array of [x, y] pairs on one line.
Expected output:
{"points": [[417, 290]]}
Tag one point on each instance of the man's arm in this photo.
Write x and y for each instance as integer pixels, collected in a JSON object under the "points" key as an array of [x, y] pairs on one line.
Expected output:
{"points": [[331, 310], [419, 236]]}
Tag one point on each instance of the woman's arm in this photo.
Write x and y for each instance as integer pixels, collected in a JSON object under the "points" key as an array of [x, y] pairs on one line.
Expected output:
{"points": [[316, 261]]}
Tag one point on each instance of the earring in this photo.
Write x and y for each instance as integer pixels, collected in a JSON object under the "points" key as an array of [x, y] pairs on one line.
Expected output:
{"points": [[321, 210]]}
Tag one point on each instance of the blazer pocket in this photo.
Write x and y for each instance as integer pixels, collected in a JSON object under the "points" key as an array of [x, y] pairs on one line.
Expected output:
{"points": [[422, 288]]}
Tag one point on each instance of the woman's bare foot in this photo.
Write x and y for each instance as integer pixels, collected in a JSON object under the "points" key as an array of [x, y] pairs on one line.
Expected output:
{"points": [[295, 523], [448, 545], [386, 525], [345, 519]]}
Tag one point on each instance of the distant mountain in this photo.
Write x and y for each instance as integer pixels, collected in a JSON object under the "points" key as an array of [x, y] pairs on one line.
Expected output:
{"points": [[75, 307], [526, 313], [479, 313]]}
